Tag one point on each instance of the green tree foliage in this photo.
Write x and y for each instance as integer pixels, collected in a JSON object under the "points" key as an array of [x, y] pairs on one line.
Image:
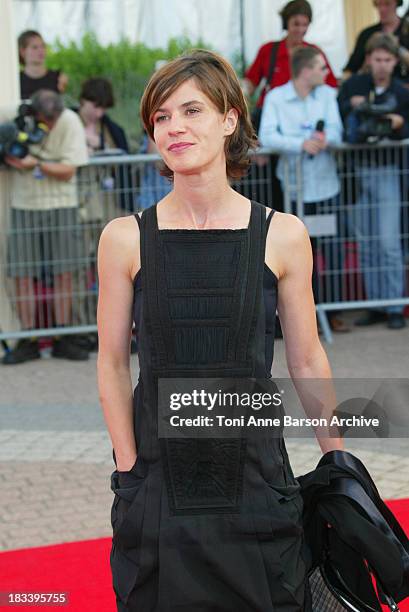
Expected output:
{"points": [[127, 65]]}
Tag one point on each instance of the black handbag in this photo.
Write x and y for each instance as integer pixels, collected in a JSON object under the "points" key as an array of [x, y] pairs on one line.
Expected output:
{"points": [[329, 593], [256, 113]]}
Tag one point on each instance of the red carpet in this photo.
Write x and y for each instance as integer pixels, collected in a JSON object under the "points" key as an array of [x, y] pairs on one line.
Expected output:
{"points": [[81, 569]]}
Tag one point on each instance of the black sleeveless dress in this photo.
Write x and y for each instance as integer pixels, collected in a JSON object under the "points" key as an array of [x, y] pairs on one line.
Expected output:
{"points": [[205, 525]]}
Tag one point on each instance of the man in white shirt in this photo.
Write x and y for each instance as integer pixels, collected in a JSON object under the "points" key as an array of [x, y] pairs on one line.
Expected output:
{"points": [[44, 224], [301, 119]]}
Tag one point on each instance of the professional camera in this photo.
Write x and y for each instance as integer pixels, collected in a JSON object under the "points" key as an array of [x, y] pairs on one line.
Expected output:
{"points": [[368, 123], [17, 135]]}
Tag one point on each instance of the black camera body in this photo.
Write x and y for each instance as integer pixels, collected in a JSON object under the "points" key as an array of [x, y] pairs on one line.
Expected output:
{"points": [[17, 135], [369, 123], [374, 124]]}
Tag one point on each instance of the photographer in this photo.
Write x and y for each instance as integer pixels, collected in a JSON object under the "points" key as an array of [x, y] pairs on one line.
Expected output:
{"points": [[44, 222], [389, 23], [378, 207]]}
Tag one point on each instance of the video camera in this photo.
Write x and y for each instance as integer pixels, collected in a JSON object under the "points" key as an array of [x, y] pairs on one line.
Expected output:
{"points": [[368, 123], [17, 135]]}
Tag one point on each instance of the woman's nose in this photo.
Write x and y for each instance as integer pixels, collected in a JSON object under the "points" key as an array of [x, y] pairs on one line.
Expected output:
{"points": [[176, 125]]}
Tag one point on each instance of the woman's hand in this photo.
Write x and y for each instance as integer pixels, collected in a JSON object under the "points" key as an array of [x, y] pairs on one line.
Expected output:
{"points": [[124, 464], [26, 163], [62, 82], [396, 120]]}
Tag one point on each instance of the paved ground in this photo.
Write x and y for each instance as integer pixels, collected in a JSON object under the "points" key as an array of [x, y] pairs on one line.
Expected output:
{"points": [[55, 454]]}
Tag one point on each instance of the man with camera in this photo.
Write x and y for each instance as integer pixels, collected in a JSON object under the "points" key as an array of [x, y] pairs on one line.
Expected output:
{"points": [[375, 105], [44, 235]]}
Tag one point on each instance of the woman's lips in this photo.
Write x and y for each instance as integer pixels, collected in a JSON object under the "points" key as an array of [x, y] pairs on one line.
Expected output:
{"points": [[180, 146]]}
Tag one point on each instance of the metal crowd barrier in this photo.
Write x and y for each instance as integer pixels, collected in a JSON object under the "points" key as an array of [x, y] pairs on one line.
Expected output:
{"points": [[48, 261], [50, 277], [360, 235]]}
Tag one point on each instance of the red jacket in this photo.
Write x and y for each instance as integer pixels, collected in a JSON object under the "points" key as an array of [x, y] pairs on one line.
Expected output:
{"points": [[282, 73]]}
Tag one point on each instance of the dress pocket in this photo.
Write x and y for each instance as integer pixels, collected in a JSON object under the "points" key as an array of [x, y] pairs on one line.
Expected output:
{"points": [[127, 507], [287, 508], [281, 549]]}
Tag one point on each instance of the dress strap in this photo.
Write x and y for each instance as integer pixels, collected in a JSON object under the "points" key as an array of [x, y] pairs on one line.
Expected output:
{"points": [[137, 217], [270, 216]]}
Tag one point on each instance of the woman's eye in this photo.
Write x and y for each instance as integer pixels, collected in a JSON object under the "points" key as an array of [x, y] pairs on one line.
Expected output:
{"points": [[160, 118], [192, 111]]}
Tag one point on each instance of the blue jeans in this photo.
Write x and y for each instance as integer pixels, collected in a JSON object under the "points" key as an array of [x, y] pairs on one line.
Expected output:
{"points": [[377, 225]]}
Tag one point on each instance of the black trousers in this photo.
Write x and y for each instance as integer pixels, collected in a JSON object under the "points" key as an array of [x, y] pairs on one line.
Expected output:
{"points": [[328, 252]]}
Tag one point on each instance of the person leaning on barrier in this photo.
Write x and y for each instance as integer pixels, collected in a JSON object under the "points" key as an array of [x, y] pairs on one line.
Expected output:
{"points": [[289, 122], [104, 136], [102, 133], [377, 211], [44, 223], [389, 23], [105, 190]]}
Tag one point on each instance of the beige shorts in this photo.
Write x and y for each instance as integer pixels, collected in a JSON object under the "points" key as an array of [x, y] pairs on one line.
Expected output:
{"points": [[41, 241]]}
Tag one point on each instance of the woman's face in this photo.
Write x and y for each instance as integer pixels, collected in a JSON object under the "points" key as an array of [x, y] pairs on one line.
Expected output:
{"points": [[90, 112], [190, 131], [35, 51], [297, 27]]}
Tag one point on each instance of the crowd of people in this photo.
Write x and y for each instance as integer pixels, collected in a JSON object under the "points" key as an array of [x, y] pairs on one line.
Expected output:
{"points": [[300, 109], [305, 111]]}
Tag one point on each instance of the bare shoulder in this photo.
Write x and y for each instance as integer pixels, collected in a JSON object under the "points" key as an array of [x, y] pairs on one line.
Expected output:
{"points": [[288, 229], [119, 242], [122, 230], [288, 244]]}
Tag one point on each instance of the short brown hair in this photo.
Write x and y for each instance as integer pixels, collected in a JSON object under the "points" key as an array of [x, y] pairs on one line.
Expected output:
{"points": [[295, 7], [24, 40], [302, 57], [99, 91], [386, 41], [215, 77], [398, 3]]}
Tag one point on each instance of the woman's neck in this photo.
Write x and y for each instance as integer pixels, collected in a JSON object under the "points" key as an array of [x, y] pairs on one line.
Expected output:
{"points": [[291, 43], [87, 122], [35, 71], [203, 201]]}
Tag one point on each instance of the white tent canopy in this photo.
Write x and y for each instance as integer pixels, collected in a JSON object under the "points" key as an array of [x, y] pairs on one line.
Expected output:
{"points": [[153, 22]]}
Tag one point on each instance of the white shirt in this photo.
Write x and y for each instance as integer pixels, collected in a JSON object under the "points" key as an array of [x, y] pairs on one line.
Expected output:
{"points": [[65, 144], [288, 120]]}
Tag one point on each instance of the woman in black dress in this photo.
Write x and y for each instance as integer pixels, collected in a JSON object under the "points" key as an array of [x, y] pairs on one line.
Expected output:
{"points": [[35, 75], [203, 525]]}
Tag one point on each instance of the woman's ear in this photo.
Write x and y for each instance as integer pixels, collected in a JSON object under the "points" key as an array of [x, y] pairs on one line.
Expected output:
{"points": [[230, 121]]}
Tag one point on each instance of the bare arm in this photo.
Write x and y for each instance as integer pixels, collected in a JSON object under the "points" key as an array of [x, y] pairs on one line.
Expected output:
{"points": [[62, 82], [57, 170], [117, 253], [306, 357]]}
